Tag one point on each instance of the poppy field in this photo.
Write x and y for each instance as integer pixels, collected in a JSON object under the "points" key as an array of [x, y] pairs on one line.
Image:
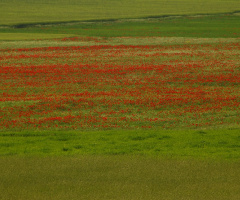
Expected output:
{"points": [[139, 100], [181, 86]]}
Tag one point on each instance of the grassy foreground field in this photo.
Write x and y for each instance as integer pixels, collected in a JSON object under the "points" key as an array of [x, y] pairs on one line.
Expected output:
{"points": [[117, 178]]}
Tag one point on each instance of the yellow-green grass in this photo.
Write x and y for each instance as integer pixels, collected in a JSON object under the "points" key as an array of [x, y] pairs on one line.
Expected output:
{"points": [[114, 41], [30, 36], [30, 11], [117, 178], [117, 41], [215, 144]]}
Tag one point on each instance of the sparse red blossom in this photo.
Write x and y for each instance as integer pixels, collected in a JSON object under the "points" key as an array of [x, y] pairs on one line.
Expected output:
{"points": [[122, 86]]}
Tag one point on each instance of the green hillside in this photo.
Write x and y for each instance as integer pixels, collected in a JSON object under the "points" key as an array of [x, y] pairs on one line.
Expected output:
{"points": [[31, 11], [198, 27]]}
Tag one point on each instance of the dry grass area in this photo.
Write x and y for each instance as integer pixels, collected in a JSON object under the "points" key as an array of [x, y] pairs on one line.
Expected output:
{"points": [[118, 178]]}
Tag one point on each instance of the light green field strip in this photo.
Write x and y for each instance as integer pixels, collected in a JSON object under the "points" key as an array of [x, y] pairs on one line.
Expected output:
{"points": [[31, 11], [111, 41], [168, 40], [30, 36], [181, 144]]}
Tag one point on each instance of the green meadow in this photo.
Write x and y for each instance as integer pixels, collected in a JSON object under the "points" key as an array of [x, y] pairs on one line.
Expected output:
{"points": [[184, 144], [30, 11], [216, 26], [123, 164], [119, 164]]}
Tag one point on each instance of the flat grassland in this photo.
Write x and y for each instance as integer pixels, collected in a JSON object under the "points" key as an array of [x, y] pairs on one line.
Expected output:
{"points": [[117, 177], [216, 26], [121, 109], [30, 11], [175, 144]]}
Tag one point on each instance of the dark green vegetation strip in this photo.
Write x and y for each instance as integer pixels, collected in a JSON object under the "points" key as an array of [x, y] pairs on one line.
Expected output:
{"points": [[218, 26], [32, 11], [214, 144], [118, 178]]}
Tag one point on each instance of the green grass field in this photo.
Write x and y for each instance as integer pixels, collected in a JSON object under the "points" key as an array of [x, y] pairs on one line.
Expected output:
{"points": [[217, 26], [184, 144], [167, 19], [29, 11], [197, 163]]}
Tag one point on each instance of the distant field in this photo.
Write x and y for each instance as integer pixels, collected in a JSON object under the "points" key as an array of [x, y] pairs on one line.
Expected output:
{"points": [[30, 36], [217, 26], [31, 11]]}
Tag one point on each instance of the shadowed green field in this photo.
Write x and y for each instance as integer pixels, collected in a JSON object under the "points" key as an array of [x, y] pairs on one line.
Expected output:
{"points": [[218, 26], [30, 11], [30, 36]]}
